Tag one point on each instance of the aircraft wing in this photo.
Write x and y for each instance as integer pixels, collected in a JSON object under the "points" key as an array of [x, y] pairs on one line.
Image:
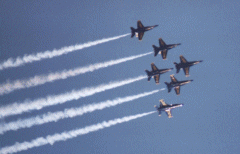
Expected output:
{"points": [[169, 113], [154, 67], [164, 53], [182, 59], [173, 78], [161, 43], [156, 78], [177, 90], [186, 71], [139, 24], [163, 103], [140, 35]]}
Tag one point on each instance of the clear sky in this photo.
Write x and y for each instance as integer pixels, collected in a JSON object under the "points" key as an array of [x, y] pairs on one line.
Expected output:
{"points": [[208, 30]]}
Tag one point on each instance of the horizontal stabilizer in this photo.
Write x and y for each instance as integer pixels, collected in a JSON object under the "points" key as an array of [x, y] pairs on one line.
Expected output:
{"points": [[168, 86], [155, 50], [177, 67], [132, 31]]}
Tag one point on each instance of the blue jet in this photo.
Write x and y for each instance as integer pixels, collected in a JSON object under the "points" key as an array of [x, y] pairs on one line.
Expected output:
{"points": [[176, 84], [140, 30], [155, 73], [166, 107], [163, 49], [185, 65]]}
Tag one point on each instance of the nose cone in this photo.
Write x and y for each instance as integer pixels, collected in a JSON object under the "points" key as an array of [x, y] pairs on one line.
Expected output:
{"points": [[171, 68], [191, 80], [200, 61], [155, 26]]}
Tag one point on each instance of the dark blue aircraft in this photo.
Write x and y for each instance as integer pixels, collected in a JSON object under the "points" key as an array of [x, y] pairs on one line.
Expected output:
{"points": [[140, 30], [155, 73], [176, 84], [166, 107], [185, 65], [163, 49]]}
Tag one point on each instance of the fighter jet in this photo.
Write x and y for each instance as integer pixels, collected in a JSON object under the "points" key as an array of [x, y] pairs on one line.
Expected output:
{"points": [[155, 73], [140, 30], [163, 49], [166, 107], [176, 84], [185, 65]]}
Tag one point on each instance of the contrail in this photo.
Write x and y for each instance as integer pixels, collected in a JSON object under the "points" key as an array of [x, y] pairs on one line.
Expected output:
{"points": [[42, 79], [51, 139], [68, 113], [54, 53], [26, 106]]}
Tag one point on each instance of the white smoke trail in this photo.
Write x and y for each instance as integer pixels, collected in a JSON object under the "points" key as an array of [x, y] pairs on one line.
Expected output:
{"points": [[26, 106], [68, 113], [42, 79], [51, 139], [54, 53]]}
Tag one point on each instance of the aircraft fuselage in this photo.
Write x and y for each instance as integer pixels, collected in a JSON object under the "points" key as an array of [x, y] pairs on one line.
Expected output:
{"points": [[168, 47], [158, 72], [188, 64], [180, 83], [144, 29], [168, 107]]}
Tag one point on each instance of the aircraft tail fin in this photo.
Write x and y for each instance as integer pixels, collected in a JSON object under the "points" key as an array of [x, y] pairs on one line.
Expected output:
{"points": [[159, 112], [177, 67], [168, 86], [133, 31], [155, 50], [148, 73]]}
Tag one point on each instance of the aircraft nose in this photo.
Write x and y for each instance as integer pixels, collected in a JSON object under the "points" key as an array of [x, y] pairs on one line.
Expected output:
{"points": [[155, 25]]}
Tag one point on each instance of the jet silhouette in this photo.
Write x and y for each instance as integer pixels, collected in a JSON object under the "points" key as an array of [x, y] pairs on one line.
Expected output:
{"points": [[163, 49], [140, 30], [155, 73], [166, 107], [185, 65], [176, 84]]}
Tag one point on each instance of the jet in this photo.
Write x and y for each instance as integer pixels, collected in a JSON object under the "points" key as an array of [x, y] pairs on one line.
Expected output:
{"points": [[163, 49], [166, 107], [140, 30], [176, 84], [185, 65], [155, 73]]}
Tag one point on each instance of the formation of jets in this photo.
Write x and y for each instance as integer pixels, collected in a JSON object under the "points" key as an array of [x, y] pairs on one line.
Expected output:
{"points": [[155, 73]]}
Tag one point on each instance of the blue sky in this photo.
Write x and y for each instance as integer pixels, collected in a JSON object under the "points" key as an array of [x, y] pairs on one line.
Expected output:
{"points": [[208, 30]]}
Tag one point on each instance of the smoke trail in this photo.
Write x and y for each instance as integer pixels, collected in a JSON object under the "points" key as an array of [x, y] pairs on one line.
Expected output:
{"points": [[54, 53], [51, 139], [68, 113], [26, 106], [42, 79]]}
